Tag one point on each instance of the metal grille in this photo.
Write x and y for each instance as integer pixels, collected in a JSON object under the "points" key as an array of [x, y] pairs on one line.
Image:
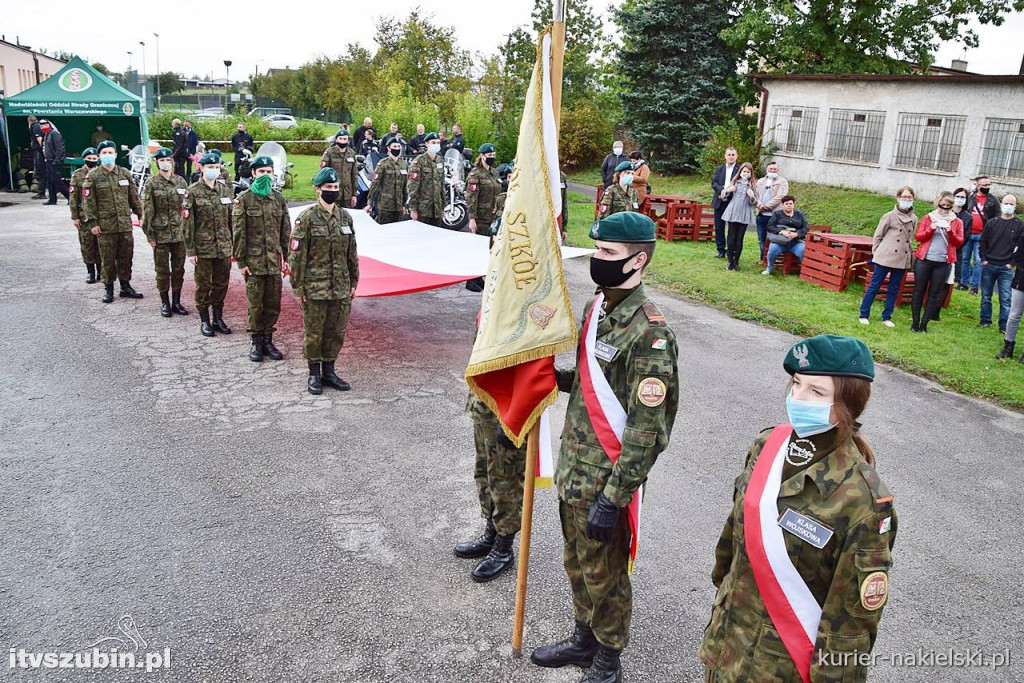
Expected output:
{"points": [[793, 129], [1002, 149], [855, 135], [930, 142]]}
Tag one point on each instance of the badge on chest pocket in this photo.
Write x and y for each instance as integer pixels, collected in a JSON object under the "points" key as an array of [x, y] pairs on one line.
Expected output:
{"points": [[181, 191], [806, 529], [403, 171], [346, 230], [605, 352], [225, 200], [122, 183]]}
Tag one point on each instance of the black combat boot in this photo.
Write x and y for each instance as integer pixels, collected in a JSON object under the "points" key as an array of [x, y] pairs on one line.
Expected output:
{"points": [[176, 306], [165, 305], [256, 350], [478, 547], [218, 320], [578, 649], [127, 292], [606, 667], [332, 380], [204, 322], [271, 351], [497, 561], [1007, 352], [475, 285], [92, 274], [313, 385], [108, 293]]}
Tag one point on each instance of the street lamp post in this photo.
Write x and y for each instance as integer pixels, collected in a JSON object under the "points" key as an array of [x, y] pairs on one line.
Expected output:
{"points": [[157, 36], [227, 85], [129, 65], [143, 88]]}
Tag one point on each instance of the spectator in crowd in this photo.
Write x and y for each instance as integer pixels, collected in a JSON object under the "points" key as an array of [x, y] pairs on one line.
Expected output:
{"points": [[641, 174], [53, 157], [392, 133], [785, 232], [179, 147], [458, 142], [417, 144], [445, 142], [891, 255], [769, 190], [983, 207], [1016, 300], [610, 163], [100, 134], [193, 145], [369, 144], [720, 179], [240, 142], [998, 239], [939, 235], [960, 209], [35, 134], [357, 139], [739, 213]]}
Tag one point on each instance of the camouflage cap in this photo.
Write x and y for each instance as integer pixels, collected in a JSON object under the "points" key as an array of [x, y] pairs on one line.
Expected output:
{"points": [[326, 175], [625, 226], [430, 136], [486, 148], [829, 354], [624, 166], [161, 153], [260, 162], [89, 150], [209, 158], [106, 144]]}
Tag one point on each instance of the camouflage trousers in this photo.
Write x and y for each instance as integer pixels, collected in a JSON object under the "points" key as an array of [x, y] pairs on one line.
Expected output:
{"points": [[169, 260], [116, 252], [498, 471], [212, 277], [385, 217], [602, 595], [430, 220], [263, 303], [323, 328], [90, 245]]}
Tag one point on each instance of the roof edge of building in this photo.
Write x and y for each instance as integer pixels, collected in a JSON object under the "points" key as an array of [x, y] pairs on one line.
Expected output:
{"points": [[924, 78]]}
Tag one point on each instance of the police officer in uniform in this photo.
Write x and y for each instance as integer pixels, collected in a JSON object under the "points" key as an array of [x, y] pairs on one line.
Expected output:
{"points": [[342, 159], [161, 221], [86, 240], [324, 275], [837, 524], [426, 184], [109, 198], [389, 186], [597, 476], [206, 211], [260, 228], [620, 196]]}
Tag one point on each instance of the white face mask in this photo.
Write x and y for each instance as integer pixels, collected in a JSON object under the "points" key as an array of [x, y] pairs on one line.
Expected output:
{"points": [[745, 176], [211, 173], [959, 201], [165, 165], [617, 151], [433, 149], [1008, 209], [773, 175]]}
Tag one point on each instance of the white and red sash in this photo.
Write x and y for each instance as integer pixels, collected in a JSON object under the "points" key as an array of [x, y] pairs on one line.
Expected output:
{"points": [[792, 607], [606, 414]]}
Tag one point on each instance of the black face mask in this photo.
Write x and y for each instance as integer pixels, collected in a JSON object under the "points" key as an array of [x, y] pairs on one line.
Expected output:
{"points": [[91, 164], [490, 161], [983, 190], [609, 273], [339, 143], [330, 196], [394, 152]]}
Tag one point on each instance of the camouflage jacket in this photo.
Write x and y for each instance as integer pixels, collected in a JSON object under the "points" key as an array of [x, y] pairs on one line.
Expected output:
{"points": [[161, 209], [640, 354], [616, 199], [848, 576], [75, 193], [322, 254], [426, 186], [260, 227], [109, 198], [482, 190], [343, 161], [206, 219], [388, 188]]}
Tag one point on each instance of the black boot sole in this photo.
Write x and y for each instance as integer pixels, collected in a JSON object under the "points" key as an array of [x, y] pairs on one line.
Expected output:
{"points": [[581, 663]]}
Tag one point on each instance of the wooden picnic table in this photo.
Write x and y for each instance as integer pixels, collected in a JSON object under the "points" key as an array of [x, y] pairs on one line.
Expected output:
{"points": [[830, 259]]}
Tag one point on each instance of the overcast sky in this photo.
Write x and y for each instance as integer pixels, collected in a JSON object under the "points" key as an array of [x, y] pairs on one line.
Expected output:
{"points": [[203, 34]]}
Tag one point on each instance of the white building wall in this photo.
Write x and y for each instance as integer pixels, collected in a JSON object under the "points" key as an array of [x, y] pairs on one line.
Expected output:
{"points": [[19, 69], [975, 101]]}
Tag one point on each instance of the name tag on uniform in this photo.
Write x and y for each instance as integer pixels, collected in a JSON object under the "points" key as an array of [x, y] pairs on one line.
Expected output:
{"points": [[350, 160], [122, 183], [635, 205], [605, 352], [403, 171], [440, 167], [181, 190], [346, 230], [225, 200], [805, 528]]}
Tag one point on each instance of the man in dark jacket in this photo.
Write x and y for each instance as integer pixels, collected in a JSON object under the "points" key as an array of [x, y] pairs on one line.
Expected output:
{"points": [[35, 135], [53, 157], [998, 241], [610, 162], [457, 141], [179, 149], [240, 142], [721, 179], [356, 140], [192, 141], [982, 206]]}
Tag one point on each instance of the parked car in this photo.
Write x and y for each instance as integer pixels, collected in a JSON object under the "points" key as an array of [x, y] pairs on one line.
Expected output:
{"points": [[281, 121]]}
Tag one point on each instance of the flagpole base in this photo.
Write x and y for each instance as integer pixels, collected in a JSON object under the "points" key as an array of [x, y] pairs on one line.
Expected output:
{"points": [[517, 652]]}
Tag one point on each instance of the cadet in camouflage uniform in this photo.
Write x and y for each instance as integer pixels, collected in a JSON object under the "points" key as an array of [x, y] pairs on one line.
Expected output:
{"points": [[161, 221], [207, 223], [86, 240], [829, 485], [109, 198], [620, 196], [483, 187], [426, 184], [224, 175], [342, 159], [325, 272], [389, 186], [260, 228], [636, 352]]}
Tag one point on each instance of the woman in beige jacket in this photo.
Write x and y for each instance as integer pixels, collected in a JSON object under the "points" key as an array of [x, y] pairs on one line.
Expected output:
{"points": [[641, 173], [892, 254]]}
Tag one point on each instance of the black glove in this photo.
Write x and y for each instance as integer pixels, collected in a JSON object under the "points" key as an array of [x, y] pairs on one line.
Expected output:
{"points": [[564, 379], [499, 433], [601, 519]]}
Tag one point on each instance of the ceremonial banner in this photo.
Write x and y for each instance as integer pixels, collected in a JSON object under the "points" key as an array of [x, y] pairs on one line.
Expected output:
{"points": [[526, 317]]}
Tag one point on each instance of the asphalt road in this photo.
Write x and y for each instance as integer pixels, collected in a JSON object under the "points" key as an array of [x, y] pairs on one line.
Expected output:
{"points": [[262, 534]]}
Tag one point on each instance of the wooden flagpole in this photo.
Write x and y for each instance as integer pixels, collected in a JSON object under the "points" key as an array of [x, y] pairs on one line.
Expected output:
{"points": [[533, 438]]}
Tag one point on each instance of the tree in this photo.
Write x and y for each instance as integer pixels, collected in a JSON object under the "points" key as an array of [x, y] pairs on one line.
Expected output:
{"points": [[675, 77], [101, 67], [169, 83], [867, 36]]}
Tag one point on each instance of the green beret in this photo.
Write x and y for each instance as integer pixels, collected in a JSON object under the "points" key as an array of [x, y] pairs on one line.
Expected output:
{"points": [[209, 158], [341, 132], [430, 136], [624, 166], [162, 153], [215, 152], [89, 150], [260, 162], [625, 226], [486, 148], [829, 354], [104, 145], [326, 175]]}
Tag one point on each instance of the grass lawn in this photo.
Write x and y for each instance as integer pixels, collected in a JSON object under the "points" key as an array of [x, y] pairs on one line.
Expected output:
{"points": [[955, 352], [306, 166]]}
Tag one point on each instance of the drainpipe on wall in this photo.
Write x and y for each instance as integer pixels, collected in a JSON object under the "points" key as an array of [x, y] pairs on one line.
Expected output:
{"points": [[762, 114]]}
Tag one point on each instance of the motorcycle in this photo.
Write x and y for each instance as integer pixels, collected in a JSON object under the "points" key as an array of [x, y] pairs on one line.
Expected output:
{"points": [[456, 210], [282, 175], [244, 173], [138, 164]]}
